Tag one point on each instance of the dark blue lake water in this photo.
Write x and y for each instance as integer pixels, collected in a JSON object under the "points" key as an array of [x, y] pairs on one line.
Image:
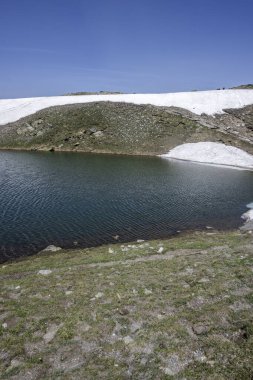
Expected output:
{"points": [[62, 198]]}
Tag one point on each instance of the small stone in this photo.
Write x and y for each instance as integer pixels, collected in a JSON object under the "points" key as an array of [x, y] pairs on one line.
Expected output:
{"points": [[17, 287], [204, 280], [140, 241], [111, 250], [68, 292], [160, 250], [4, 325], [92, 130], [45, 272], [147, 292], [116, 237]]}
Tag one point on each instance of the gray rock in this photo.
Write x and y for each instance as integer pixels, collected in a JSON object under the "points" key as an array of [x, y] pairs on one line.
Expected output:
{"points": [[45, 272], [52, 248], [92, 130], [51, 332]]}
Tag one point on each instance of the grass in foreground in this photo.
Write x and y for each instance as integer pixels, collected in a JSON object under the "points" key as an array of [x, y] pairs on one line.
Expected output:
{"points": [[168, 309]]}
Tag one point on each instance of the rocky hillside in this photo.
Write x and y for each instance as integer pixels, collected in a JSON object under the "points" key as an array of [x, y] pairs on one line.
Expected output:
{"points": [[244, 87], [125, 128]]}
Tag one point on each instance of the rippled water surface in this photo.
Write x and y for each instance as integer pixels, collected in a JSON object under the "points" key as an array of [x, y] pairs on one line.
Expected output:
{"points": [[62, 198]]}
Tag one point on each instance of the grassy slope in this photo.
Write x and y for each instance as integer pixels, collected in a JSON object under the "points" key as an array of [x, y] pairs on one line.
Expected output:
{"points": [[111, 128], [131, 312]]}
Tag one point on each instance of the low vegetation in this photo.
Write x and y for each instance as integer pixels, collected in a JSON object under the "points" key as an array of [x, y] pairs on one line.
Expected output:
{"points": [[167, 309]]}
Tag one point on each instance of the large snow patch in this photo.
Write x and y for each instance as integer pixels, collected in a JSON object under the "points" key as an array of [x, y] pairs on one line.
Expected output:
{"points": [[212, 153], [198, 102]]}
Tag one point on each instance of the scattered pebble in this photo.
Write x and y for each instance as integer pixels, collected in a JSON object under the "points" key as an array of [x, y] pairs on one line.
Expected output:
{"points": [[160, 250], [147, 292], [111, 250]]}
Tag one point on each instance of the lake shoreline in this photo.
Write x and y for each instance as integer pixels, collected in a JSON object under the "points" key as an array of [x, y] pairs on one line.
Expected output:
{"points": [[174, 235]]}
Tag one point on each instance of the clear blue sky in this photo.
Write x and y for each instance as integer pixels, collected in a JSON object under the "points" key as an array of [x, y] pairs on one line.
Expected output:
{"points": [[50, 47]]}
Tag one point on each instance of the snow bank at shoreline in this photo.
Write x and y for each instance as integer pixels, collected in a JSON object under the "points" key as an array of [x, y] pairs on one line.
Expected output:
{"points": [[213, 154], [198, 102], [248, 216]]}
